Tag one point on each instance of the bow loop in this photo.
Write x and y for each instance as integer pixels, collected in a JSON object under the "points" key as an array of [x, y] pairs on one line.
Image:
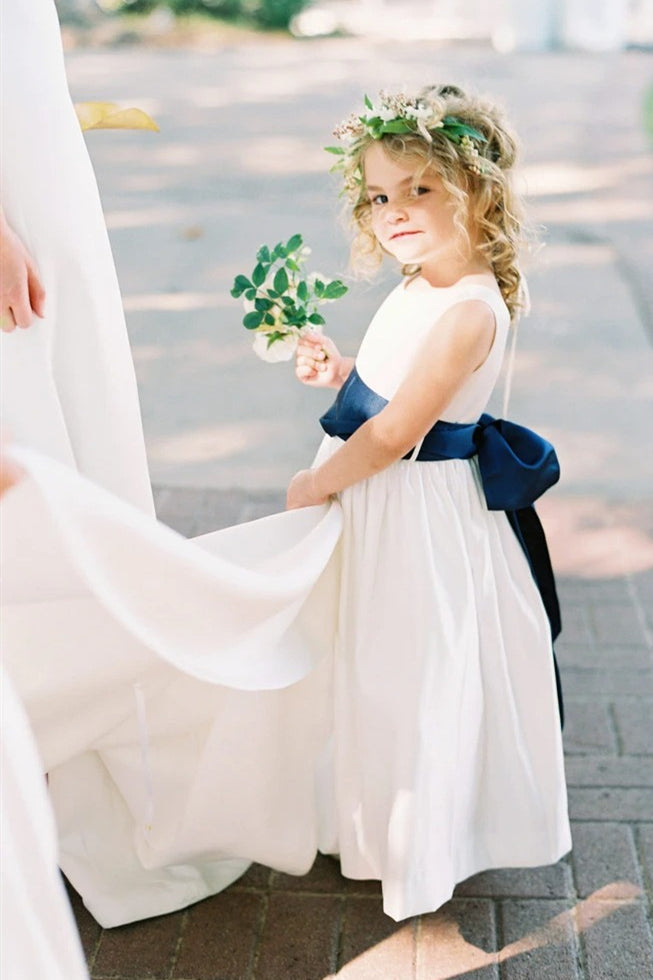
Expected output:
{"points": [[516, 464]]}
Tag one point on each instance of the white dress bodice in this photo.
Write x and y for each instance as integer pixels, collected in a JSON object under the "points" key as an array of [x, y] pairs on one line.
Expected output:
{"points": [[400, 327]]}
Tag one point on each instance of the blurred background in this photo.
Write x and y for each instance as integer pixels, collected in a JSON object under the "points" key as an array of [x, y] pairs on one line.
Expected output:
{"points": [[246, 94]]}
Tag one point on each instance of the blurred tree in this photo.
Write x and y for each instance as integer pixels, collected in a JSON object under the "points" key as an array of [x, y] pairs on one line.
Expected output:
{"points": [[77, 11], [263, 13]]}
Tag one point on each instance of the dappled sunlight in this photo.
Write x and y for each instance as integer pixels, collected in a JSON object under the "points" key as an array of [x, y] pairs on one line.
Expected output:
{"points": [[558, 255], [211, 353], [175, 302], [176, 154], [212, 442], [615, 208], [281, 155], [592, 538], [147, 217], [567, 177], [444, 953]]}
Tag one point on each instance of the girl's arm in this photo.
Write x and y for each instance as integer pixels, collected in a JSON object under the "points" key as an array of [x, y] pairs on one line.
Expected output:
{"points": [[454, 349], [320, 364]]}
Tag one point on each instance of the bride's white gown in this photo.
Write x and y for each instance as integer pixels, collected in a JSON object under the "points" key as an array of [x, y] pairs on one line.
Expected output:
{"points": [[372, 677], [67, 385]]}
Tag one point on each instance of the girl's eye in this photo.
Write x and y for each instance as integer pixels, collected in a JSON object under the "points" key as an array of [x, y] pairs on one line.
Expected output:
{"points": [[379, 199], [419, 190]]}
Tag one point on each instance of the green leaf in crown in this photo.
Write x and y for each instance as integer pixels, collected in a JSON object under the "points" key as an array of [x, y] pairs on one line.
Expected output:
{"points": [[399, 115]]}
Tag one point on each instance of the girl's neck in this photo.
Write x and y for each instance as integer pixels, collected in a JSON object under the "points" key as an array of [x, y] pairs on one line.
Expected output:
{"points": [[449, 271]]}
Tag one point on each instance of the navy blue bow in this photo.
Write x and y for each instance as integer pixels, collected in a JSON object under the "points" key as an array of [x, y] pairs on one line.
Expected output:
{"points": [[516, 464]]}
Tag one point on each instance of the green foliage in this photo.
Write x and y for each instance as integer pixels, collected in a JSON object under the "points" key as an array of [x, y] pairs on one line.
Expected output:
{"points": [[282, 296], [268, 14]]}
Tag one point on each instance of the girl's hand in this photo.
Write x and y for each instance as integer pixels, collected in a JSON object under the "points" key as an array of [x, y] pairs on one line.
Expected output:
{"points": [[21, 291], [302, 491], [318, 362]]}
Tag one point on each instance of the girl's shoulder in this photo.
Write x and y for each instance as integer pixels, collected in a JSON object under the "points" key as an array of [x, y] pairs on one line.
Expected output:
{"points": [[442, 298]]}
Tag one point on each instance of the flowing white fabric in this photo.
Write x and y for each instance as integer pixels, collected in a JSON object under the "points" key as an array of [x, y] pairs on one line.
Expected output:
{"points": [[121, 636], [67, 385], [39, 937], [372, 678]]}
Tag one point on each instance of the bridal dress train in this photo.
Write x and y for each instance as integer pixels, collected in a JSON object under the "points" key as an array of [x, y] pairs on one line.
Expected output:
{"points": [[371, 678], [67, 386]]}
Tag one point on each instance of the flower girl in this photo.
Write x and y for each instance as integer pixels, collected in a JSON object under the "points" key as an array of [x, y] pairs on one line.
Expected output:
{"points": [[447, 746]]}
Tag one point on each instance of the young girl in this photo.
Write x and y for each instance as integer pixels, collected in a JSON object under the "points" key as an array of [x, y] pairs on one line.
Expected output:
{"points": [[448, 756]]}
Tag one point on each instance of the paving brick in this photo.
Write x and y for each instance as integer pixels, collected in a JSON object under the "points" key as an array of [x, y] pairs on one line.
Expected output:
{"points": [[139, 951], [611, 803], [588, 727], [324, 876], [219, 938], [299, 938], [622, 770], [374, 946], [603, 854], [607, 681], [89, 930], [579, 591], [602, 655], [538, 941], [459, 939], [617, 941], [550, 881], [617, 623], [194, 511], [643, 588], [257, 876], [634, 720], [576, 626], [644, 844]]}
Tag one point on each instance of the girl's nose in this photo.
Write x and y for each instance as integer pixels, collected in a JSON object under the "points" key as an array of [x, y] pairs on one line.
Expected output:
{"points": [[395, 213]]}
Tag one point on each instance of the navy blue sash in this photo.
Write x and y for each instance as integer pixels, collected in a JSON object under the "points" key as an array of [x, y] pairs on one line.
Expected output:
{"points": [[516, 467]]}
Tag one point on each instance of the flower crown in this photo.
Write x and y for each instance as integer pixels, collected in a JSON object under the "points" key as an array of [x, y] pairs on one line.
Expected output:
{"points": [[399, 115]]}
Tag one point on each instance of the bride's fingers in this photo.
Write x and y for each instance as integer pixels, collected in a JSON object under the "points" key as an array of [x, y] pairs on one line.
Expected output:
{"points": [[7, 320]]}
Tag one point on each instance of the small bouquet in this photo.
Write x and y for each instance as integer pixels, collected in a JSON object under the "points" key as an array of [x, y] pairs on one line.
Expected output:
{"points": [[281, 301]]}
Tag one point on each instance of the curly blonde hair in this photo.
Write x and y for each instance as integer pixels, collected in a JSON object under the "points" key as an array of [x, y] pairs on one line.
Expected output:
{"points": [[485, 199]]}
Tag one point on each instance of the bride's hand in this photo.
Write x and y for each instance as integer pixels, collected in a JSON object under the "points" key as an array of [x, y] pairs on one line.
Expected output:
{"points": [[21, 291], [302, 491], [318, 362]]}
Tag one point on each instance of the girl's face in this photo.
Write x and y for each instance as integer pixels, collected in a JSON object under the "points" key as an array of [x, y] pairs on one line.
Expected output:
{"points": [[414, 223]]}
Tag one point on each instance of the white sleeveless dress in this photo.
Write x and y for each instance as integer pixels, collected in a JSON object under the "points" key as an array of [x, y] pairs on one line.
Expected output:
{"points": [[447, 746], [371, 678]]}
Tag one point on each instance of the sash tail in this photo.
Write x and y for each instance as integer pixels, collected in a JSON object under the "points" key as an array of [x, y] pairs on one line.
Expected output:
{"points": [[530, 534]]}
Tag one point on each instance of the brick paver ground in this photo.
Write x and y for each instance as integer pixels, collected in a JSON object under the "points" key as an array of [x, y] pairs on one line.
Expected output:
{"points": [[586, 918]]}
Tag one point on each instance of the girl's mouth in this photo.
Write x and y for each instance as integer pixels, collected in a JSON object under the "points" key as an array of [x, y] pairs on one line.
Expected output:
{"points": [[403, 234]]}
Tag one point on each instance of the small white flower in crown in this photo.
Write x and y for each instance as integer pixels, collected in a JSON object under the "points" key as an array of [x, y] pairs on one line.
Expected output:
{"points": [[399, 115]]}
